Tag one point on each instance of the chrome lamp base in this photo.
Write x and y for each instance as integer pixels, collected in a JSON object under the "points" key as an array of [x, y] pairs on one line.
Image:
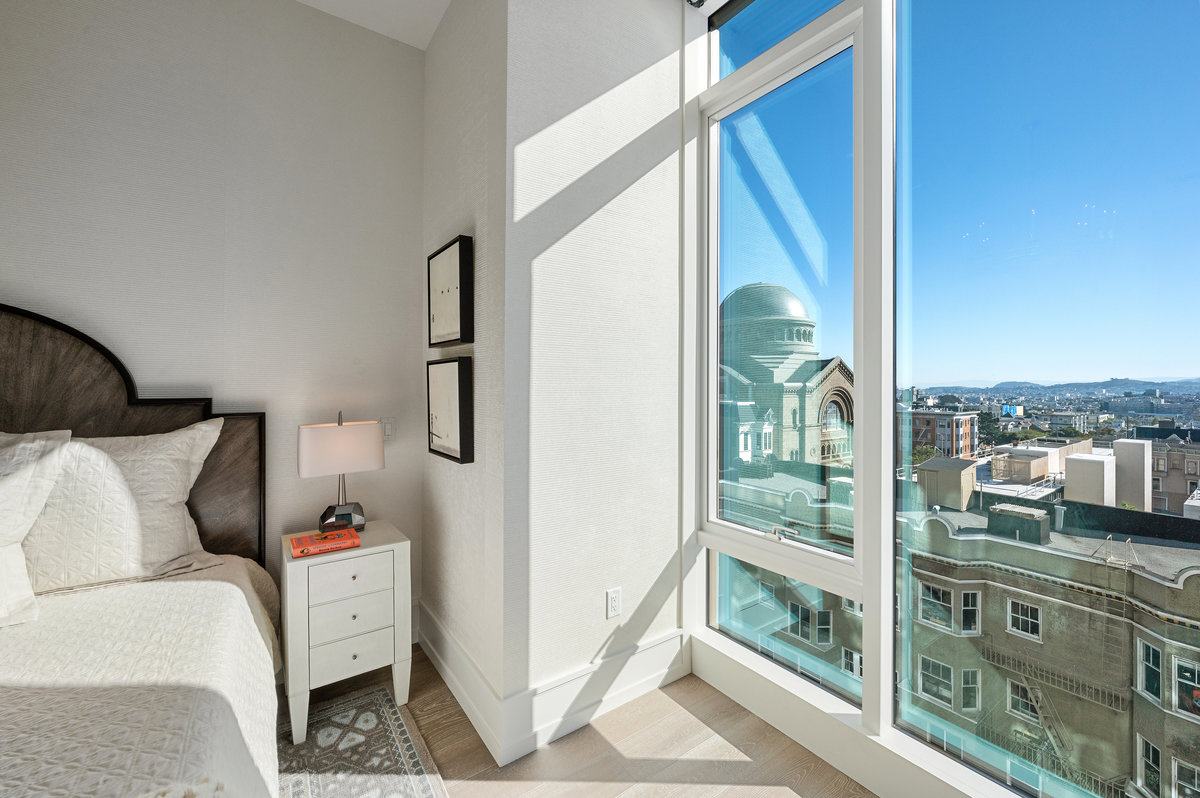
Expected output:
{"points": [[343, 516]]}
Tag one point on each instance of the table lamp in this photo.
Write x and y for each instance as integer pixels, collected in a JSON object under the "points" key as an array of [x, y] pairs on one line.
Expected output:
{"points": [[342, 448]]}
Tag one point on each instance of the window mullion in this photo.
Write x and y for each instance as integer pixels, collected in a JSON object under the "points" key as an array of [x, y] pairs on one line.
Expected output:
{"points": [[874, 355]]}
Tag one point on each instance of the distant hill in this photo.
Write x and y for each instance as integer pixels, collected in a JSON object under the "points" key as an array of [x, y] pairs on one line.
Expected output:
{"points": [[1111, 387]]}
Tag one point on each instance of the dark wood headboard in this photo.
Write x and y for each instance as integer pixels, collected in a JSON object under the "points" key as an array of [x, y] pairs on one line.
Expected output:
{"points": [[55, 377]]}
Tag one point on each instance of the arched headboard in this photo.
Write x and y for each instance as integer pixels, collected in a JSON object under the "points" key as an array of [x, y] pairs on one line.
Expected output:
{"points": [[55, 377]]}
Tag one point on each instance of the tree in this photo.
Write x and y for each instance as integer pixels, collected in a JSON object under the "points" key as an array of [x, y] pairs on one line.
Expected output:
{"points": [[949, 399], [989, 429], [922, 453]]}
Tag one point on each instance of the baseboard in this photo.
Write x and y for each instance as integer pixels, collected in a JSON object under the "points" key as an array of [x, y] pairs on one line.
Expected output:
{"points": [[514, 726]]}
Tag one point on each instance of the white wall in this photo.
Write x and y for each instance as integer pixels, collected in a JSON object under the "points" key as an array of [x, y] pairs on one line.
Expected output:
{"points": [[227, 195], [464, 189], [594, 129]]}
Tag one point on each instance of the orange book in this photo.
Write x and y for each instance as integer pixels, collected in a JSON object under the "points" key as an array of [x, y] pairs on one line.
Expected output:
{"points": [[322, 542]]}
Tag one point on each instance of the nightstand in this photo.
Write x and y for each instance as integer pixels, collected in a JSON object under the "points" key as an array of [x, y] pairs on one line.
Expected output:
{"points": [[345, 613]]}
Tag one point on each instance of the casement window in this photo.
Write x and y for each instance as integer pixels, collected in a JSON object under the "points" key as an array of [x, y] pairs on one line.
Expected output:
{"points": [[937, 681], [970, 612], [1024, 619], [970, 690], [1149, 767], [1149, 673], [937, 605], [1187, 687], [852, 606], [1020, 702]]}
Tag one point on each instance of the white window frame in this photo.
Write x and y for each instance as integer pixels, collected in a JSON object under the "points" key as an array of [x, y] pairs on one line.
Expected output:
{"points": [[1175, 765], [855, 662], [1141, 670], [921, 587], [921, 660], [851, 606], [963, 689], [978, 608], [1174, 686], [1008, 620], [1156, 484], [1035, 718], [1142, 742]]}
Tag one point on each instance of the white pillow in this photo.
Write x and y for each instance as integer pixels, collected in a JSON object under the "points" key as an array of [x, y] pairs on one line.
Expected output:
{"points": [[29, 466], [118, 509]]}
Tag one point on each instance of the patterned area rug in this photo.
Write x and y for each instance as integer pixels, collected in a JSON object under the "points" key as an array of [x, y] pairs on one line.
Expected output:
{"points": [[358, 746]]}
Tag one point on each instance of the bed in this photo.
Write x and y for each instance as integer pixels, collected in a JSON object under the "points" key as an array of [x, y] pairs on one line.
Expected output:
{"points": [[140, 685]]}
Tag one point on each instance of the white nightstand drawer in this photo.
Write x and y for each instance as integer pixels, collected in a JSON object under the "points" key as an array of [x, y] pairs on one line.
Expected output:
{"points": [[335, 661], [352, 577], [349, 617]]}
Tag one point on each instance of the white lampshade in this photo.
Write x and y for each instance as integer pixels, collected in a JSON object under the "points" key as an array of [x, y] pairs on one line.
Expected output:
{"points": [[327, 449]]}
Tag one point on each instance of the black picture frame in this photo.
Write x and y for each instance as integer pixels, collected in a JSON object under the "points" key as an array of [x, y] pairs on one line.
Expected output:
{"points": [[450, 408], [450, 275]]}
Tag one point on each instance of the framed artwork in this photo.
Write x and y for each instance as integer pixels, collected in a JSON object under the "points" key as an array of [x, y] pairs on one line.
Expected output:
{"points": [[451, 409], [452, 293]]}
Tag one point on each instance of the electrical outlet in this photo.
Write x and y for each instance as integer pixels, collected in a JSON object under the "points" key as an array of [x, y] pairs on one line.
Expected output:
{"points": [[612, 602], [389, 428]]}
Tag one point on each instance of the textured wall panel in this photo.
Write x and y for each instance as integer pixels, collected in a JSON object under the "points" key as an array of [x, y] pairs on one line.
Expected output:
{"points": [[464, 191], [594, 128]]}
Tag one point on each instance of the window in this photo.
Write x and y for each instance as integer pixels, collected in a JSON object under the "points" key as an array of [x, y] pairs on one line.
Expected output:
{"points": [[1156, 484], [1160, 464], [852, 662], [784, 260], [937, 681], [746, 31], [766, 592], [970, 612], [1020, 703], [824, 627], [852, 606], [1024, 619], [780, 620], [936, 605], [970, 690], [1149, 670], [1150, 767], [1191, 467], [1187, 781], [1187, 687]]}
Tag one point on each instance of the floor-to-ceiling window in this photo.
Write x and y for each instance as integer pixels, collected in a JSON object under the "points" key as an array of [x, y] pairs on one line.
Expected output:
{"points": [[1046, 405]]}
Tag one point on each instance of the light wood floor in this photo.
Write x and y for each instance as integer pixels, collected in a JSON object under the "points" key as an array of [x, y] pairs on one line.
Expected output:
{"points": [[685, 739]]}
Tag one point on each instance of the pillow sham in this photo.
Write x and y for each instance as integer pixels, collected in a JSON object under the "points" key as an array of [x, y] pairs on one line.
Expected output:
{"points": [[29, 466], [119, 508]]}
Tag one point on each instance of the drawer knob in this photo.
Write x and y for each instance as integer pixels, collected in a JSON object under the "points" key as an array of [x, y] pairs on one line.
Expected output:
{"points": [[354, 617], [353, 577], [353, 656]]}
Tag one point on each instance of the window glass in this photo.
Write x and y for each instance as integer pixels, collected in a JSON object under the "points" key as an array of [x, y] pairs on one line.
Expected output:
{"points": [[1151, 669], [785, 292], [970, 690], [1187, 781], [937, 681], [1047, 174], [970, 612], [1151, 769], [800, 628], [758, 26], [1187, 687]]}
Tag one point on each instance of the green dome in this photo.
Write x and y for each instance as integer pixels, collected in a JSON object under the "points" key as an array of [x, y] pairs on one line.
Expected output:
{"points": [[762, 301]]}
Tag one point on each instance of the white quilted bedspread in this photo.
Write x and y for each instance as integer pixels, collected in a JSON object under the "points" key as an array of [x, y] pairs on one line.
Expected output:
{"points": [[129, 688]]}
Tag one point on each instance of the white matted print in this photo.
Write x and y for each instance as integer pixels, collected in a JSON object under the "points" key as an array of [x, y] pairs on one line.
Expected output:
{"points": [[451, 293], [450, 409]]}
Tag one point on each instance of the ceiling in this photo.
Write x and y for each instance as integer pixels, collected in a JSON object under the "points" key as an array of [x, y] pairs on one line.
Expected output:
{"points": [[410, 21]]}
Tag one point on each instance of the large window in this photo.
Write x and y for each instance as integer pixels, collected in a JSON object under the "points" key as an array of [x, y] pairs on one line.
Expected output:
{"points": [[965, 316], [1029, 172]]}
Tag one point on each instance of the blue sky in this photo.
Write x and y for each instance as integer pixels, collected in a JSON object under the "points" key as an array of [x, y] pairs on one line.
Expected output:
{"points": [[1049, 192]]}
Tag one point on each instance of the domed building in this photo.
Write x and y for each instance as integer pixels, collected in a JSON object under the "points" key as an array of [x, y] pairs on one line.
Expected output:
{"points": [[775, 388]]}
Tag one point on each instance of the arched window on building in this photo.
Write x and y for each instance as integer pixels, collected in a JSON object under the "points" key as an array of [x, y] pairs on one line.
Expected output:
{"points": [[833, 420]]}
